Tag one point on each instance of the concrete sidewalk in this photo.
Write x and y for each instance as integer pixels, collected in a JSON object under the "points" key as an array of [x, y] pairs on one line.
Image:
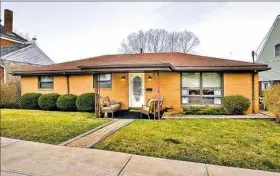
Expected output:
{"points": [[19, 158]]}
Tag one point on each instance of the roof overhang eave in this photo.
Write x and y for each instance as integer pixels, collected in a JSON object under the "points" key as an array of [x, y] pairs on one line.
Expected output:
{"points": [[242, 68], [13, 39], [89, 71], [47, 72]]}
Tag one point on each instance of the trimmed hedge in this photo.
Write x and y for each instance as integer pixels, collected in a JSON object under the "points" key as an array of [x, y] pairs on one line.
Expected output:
{"points": [[48, 101], [235, 104], [66, 102], [205, 110], [10, 105], [85, 102], [30, 101]]}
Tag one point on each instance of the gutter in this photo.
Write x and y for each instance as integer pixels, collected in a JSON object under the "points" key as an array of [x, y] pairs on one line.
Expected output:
{"points": [[13, 40], [47, 72], [87, 71], [227, 68], [83, 69]]}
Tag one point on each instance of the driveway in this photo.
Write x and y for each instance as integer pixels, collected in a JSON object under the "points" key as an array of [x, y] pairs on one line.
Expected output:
{"points": [[20, 158]]}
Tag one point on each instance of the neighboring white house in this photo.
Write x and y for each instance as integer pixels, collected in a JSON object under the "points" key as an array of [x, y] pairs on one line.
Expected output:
{"points": [[16, 52], [269, 53], [20, 56]]}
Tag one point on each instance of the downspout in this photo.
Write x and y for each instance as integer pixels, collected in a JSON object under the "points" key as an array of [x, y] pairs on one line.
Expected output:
{"points": [[253, 92], [67, 82], [253, 85], [68, 86]]}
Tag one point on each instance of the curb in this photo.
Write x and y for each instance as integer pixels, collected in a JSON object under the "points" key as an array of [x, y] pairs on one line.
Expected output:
{"points": [[86, 133]]}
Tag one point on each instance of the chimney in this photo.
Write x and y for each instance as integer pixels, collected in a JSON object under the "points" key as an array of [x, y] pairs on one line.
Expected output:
{"points": [[253, 56], [8, 20], [34, 39]]}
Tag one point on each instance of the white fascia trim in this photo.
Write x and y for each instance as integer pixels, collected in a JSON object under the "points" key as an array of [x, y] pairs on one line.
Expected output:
{"points": [[5, 38]]}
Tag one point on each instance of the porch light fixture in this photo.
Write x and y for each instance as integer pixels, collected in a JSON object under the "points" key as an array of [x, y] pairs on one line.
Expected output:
{"points": [[149, 78], [123, 78]]}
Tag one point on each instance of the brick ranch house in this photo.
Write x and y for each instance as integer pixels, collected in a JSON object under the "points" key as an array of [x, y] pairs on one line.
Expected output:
{"points": [[182, 79]]}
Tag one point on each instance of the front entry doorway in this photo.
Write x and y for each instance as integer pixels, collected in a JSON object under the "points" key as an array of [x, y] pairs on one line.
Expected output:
{"points": [[136, 90]]}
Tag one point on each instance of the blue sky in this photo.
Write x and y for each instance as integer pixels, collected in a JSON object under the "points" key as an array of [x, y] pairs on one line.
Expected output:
{"points": [[75, 30]]}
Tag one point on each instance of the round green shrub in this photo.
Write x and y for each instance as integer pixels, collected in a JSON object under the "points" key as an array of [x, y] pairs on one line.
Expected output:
{"points": [[86, 102], [48, 101], [30, 101], [235, 104], [66, 102]]}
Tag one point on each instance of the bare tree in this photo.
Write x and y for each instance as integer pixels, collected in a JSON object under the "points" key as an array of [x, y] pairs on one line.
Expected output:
{"points": [[158, 41], [23, 35]]}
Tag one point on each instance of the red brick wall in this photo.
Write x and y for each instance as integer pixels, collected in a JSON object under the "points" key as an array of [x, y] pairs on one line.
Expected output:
{"points": [[4, 42]]}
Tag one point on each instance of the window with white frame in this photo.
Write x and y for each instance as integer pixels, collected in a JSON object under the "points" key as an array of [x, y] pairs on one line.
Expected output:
{"points": [[105, 80], [201, 88], [277, 50], [45, 82]]}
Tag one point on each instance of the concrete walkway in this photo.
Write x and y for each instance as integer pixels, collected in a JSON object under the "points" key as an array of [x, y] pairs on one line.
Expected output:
{"points": [[98, 135], [21, 158]]}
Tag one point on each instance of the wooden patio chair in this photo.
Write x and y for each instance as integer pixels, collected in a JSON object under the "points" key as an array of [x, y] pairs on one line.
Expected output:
{"points": [[151, 108]]}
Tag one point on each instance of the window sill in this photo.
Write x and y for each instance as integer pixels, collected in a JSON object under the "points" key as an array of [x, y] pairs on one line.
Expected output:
{"points": [[45, 89], [104, 88]]}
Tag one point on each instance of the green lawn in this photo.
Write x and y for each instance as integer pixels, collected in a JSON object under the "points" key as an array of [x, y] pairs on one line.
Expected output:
{"points": [[253, 144], [46, 126]]}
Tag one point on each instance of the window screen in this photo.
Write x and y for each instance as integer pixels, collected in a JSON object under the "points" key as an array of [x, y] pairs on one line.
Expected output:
{"points": [[45, 82], [201, 88], [105, 80]]}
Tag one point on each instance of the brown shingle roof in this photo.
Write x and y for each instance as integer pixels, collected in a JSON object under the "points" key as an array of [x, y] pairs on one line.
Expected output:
{"points": [[178, 61]]}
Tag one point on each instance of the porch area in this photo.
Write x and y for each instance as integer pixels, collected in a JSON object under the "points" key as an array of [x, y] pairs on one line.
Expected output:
{"points": [[131, 114], [130, 95]]}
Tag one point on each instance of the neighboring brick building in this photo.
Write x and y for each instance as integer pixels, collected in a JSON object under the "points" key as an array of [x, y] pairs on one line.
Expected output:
{"points": [[16, 52], [8, 37]]}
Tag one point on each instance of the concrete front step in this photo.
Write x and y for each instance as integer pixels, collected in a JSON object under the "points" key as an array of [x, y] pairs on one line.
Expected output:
{"points": [[98, 135]]}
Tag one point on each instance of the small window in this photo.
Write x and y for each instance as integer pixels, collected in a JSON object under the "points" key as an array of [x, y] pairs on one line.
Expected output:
{"points": [[277, 50], [45, 82], [105, 80]]}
